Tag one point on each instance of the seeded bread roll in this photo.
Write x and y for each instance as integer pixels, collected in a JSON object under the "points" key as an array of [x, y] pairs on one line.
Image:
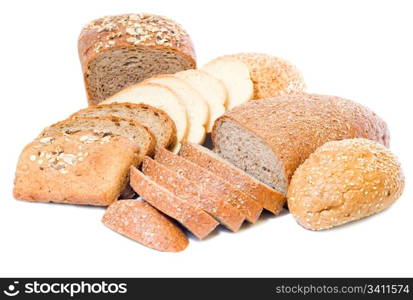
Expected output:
{"points": [[143, 223], [81, 168], [343, 181], [157, 120], [270, 138], [118, 51]]}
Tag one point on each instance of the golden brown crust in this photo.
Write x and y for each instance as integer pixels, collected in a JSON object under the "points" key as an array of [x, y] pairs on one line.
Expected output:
{"points": [[343, 181], [293, 126], [130, 31], [269, 198], [194, 219], [82, 168], [141, 222]]}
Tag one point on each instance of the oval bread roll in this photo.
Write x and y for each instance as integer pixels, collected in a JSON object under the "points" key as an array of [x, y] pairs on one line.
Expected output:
{"points": [[343, 181]]}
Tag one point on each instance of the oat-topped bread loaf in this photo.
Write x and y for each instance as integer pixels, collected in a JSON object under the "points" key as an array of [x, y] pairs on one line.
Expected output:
{"points": [[158, 121], [118, 51], [255, 76], [343, 181], [143, 223], [80, 168], [135, 132], [270, 138]]}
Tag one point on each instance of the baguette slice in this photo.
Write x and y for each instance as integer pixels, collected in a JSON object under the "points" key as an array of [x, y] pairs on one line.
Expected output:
{"points": [[247, 206], [194, 219], [196, 106], [235, 75], [134, 131], [194, 194], [269, 198], [141, 222], [160, 97], [157, 120], [212, 89]]}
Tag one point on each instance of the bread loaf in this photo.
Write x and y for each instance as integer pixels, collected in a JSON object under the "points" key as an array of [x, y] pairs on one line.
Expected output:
{"points": [[270, 138], [141, 222], [118, 51], [343, 181]]}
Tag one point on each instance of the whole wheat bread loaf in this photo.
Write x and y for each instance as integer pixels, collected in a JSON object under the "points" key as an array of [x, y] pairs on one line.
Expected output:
{"points": [[118, 51]]}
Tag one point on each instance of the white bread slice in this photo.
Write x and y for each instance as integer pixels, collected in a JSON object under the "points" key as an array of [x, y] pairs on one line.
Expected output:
{"points": [[196, 106], [158, 96], [235, 75], [212, 89]]}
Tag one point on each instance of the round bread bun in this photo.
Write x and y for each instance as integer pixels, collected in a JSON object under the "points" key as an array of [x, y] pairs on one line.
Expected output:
{"points": [[343, 181]]}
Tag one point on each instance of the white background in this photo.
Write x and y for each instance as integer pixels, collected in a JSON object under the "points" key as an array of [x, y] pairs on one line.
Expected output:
{"points": [[360, 50]]}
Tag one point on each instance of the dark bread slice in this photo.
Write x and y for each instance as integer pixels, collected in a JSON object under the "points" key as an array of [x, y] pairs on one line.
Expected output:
{"points": [[247, 206], [153, 118], [193, 194]]}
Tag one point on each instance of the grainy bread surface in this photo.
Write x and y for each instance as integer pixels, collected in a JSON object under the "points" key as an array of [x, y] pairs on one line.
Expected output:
{"points": [[159, 123], [194, 219], [143, 223], [118, 51], [209, 181], [81, 168], [289, 129], [343, 181], [269, 198], [194, 194]]}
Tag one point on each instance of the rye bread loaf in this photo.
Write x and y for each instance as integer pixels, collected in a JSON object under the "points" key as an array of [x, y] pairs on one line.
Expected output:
{"points": [[270, 138], [343, 181], [193, 194], [135, 132], [118, 51], [194, 219], [159, 123], [269, 198], [81, 168], [143, 223], [209, 181]]}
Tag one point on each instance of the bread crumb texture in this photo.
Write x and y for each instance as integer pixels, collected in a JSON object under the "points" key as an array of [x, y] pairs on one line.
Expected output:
{"points": [[343, 181]]}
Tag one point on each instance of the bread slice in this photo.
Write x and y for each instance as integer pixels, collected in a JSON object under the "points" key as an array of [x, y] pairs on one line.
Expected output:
{"points": [[194, 219], [269, 198], [193, 194], [160, 97], [134, 131], [212, 89], [247, 206], [143, 223], [81, 168], [118, 51], [235, 75], [159, 123], [196, 106]]}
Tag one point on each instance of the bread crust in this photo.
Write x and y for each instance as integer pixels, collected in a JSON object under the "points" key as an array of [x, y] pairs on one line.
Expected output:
{"points": [[269, 198], [294, 126], [118, 32], [143, 223], [343, 181]]}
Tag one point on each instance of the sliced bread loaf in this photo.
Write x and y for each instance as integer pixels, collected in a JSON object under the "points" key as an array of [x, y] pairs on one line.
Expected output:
{"points": [[212, 89], [143, 223], [270, 138], [81, 168], [118, 51], [193, 194], [160, 97], [159, 123], [247, 206], [135, 132], [269, 198], [195, 104], [194, 219]]}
